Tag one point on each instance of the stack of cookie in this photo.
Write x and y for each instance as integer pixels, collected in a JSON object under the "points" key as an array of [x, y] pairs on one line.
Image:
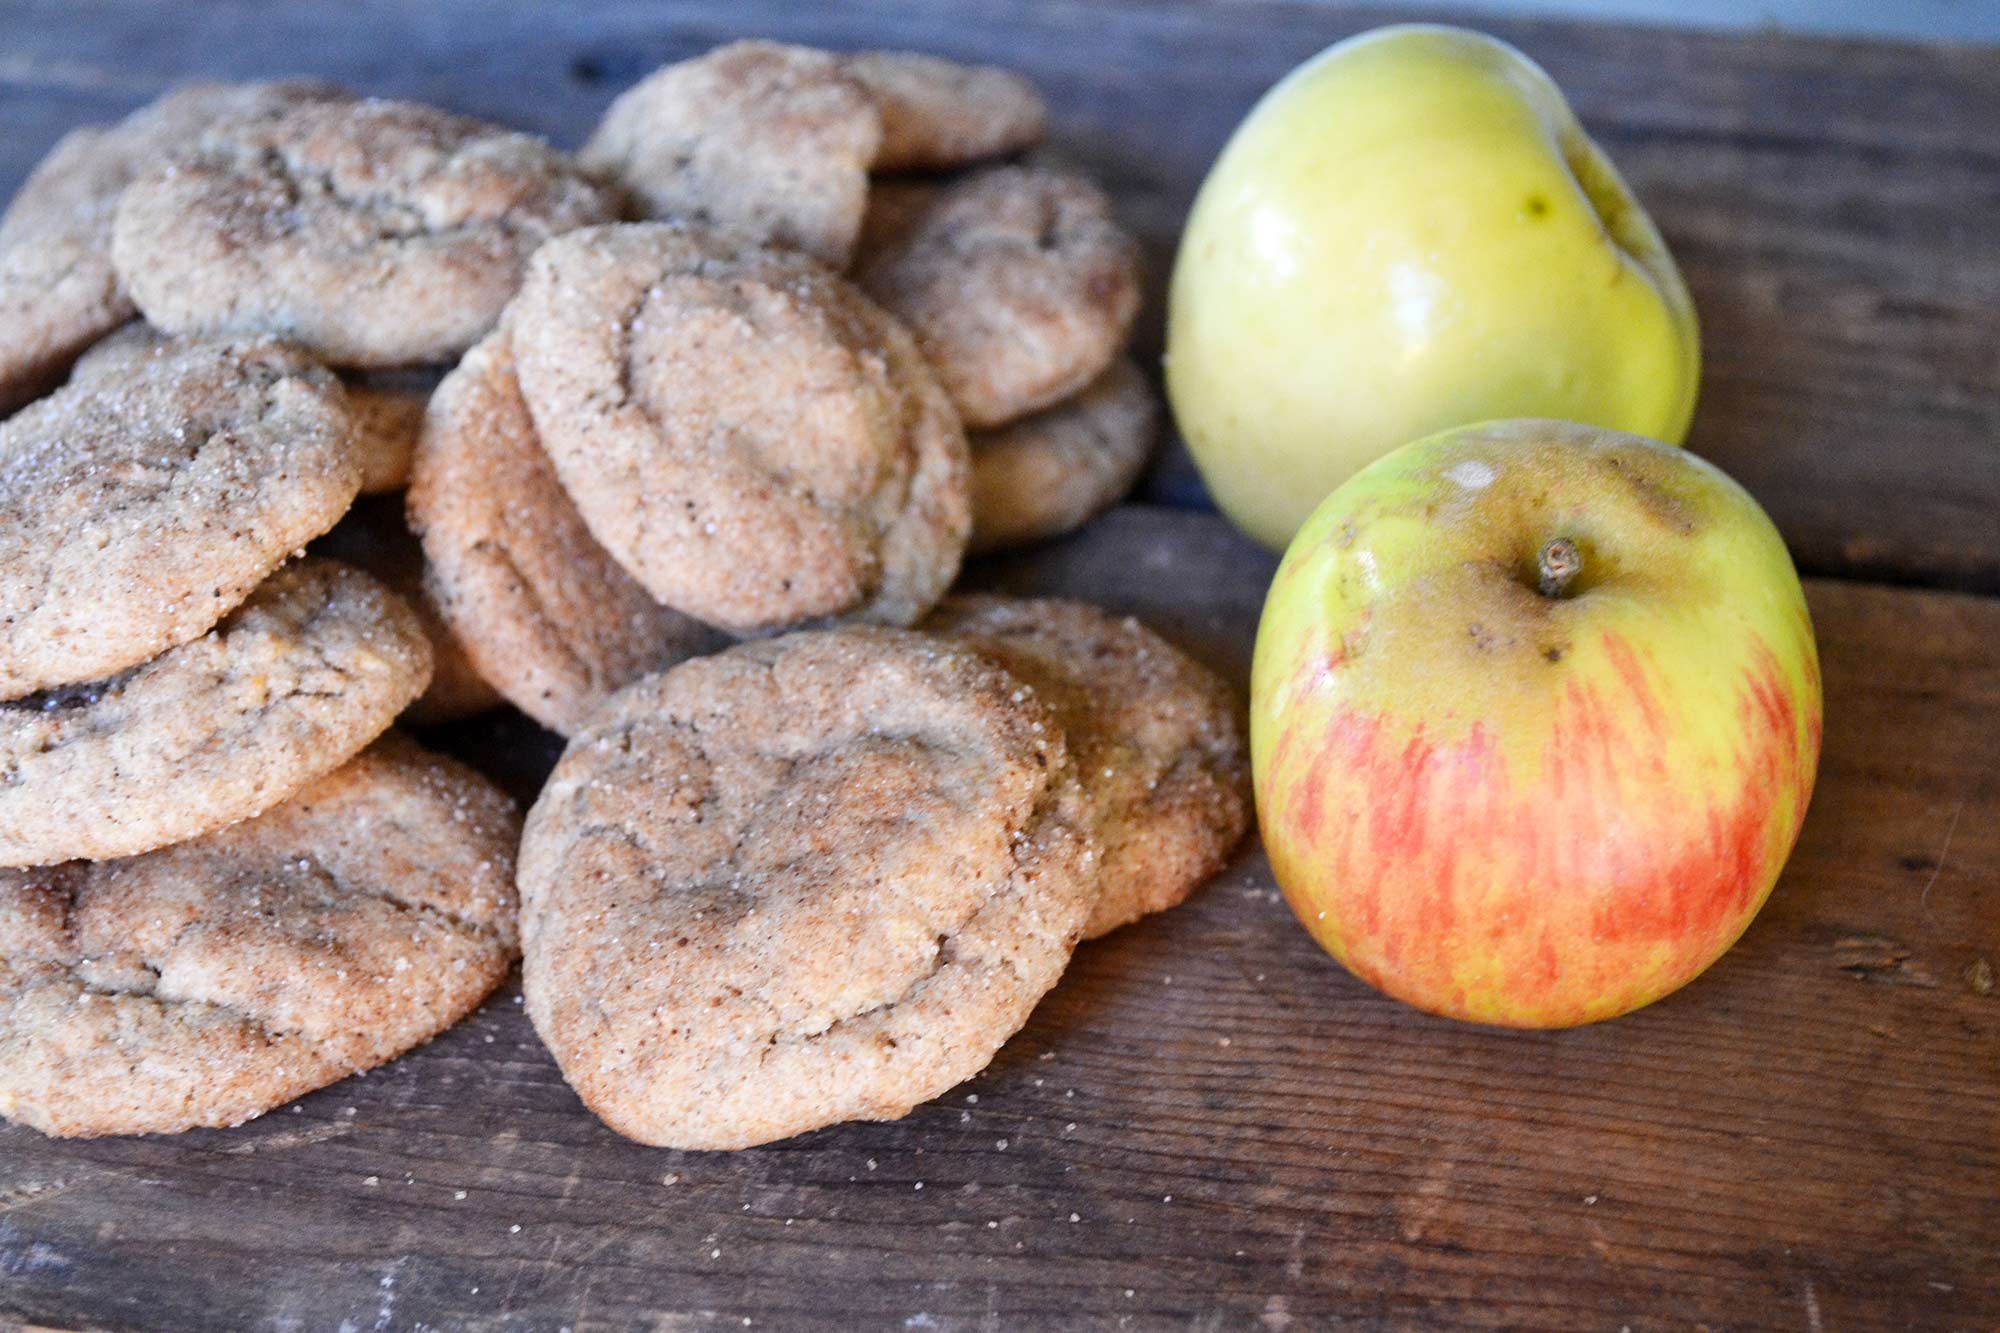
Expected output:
{"points": [[824, 877], [735, 373], [1017, 283], [221, 882], [211, 903], [1021, 290], [582, 527]]}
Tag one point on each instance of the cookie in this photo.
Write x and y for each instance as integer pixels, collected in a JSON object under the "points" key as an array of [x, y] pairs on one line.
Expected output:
{"points": [[147, 497], [812, 879], [768, 141], [1051, 473], [310, 668], [749, 436], [205, 984], [1156, 739], [938, 114], [1019, 286], [544, 613], [58, 291], [87, 169], [375, 538], [57, 296], [388, 408], [375, 233], [385, 407]]}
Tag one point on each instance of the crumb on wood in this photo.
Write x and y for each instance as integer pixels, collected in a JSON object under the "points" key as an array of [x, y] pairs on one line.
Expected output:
{"points": [[1979, 976]]}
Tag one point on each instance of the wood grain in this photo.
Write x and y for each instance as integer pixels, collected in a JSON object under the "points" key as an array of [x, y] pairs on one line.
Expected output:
{"points": [[1207, 1123], [1834, 203]]}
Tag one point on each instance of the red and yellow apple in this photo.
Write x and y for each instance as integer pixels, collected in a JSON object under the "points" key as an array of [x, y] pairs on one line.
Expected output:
{"points": [[1535, 715]]}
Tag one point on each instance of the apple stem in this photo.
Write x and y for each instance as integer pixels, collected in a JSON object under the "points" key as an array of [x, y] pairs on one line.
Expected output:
{"points": [[1558, 564]]}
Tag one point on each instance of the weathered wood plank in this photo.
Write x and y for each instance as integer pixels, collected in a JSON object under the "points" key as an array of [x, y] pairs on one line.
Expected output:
{"points": [[1834, 203], [1808, 1136]]}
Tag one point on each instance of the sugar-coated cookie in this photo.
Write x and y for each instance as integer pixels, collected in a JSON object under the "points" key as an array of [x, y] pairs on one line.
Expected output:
{"points": [[314, 665], [1019, 285], [938, 114], [206, 983], [375, 233], [147, 497], [748, 435], [554, 622], [812, 879], [388, 407], [768, 141], [1052, 472], [1156, 739], [58, 290], [376, 538]]}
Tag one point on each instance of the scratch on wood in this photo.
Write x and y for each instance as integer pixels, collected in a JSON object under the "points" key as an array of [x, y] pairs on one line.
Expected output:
{"points": [[525, 1261], [291, 1138], [24, 1257], [1420, 1208], [1924, 900], [41, 1191], [386, 1315], [1878, 958]]}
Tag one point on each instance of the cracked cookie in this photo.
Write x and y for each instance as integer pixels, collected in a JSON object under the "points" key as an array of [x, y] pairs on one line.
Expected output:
{"points": [[375, 538], [554, 622], [385, 407], [938, 114], [767, 141], [58, 290], [311, 667], [207, 983], [1155, 737], [812, 879], [375, 233], [749, 436], [143, 500], [1052, 472], [1019, 286]]}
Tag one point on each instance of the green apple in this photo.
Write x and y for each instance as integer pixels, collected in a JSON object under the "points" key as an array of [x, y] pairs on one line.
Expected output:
{"points": [[1412, 232], [1535, 715]]}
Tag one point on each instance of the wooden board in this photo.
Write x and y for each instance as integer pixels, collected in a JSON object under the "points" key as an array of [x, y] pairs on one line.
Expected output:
{"points": [[1833, 203], [1207, 1123]]}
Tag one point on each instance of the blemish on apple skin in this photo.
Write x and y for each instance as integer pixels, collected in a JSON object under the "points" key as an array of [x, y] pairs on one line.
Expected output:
{"points": [[1661, 505], [1474, 474]]}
